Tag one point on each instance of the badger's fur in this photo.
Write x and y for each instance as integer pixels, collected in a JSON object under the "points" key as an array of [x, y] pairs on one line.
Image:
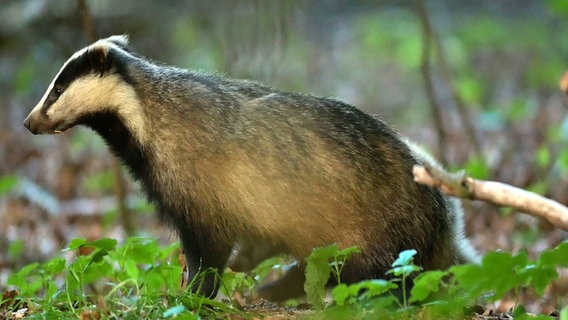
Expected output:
{"points": [[236, 162]]}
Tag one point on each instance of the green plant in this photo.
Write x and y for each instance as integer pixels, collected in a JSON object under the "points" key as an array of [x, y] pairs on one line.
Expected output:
{"points": [[137, 279], [321, 263], [245, 283], [140, 279], [445, 293], [403, 267]]}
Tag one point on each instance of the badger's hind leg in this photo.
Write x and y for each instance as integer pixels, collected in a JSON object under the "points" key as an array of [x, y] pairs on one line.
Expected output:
{"points": [[206, 257], [247, 254], [290, 285]]}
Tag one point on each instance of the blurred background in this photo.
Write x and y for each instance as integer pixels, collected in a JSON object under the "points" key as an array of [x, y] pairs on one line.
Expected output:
{"points": [[476, 82]]}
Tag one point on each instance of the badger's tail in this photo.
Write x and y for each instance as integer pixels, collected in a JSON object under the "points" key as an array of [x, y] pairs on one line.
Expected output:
{"points": [[465, 251]]}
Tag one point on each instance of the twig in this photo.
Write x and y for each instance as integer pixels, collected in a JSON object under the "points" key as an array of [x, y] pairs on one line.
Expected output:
{"points": [[501, 194], [425, 67], [120, 185]]}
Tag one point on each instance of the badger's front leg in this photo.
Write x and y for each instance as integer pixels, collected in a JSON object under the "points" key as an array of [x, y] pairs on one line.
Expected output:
{"points": [[206, 256]]}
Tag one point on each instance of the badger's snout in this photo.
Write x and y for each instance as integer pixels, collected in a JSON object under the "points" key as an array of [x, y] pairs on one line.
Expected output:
{"points": [[38, 124], [29, 124]]}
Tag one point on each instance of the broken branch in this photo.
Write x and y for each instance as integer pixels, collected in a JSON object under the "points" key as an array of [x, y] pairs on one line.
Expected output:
{"points": [[501, 194]]}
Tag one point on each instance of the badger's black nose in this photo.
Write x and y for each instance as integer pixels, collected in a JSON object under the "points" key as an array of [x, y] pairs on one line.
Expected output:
{"points": [[29, 124]]}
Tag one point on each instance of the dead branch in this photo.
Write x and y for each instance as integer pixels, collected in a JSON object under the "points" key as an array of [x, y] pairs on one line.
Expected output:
{"points": [[501, 194]]}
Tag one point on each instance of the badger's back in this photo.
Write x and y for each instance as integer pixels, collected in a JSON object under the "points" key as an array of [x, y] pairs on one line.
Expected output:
{"points": [[294, 169]]}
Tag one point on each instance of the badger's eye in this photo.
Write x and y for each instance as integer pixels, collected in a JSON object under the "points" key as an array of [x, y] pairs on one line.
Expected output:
{"points": [[55, 93], [57, 90]]}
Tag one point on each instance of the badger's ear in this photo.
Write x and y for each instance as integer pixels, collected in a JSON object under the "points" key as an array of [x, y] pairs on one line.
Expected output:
{"points": [[121, 41], [100, 59]]}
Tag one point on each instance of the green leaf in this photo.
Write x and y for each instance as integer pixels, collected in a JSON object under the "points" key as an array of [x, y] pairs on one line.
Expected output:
{"points": [[318, 271], [403, 265], [340, 294], [403, 270], [97, 256], [323, 253], [404, 258], [425, 284], [153, 280], [373, 288], [519, 311], [55, 266], [28, 269], [76, 244], [347, 252], [19, 279], [317, 275], [557, 257], [52, 291], [132, 269], [564, 313], [74, 275], [142, 250], [498, 273], [539, 276], [364, 290], [104, 244], [229, 282]]}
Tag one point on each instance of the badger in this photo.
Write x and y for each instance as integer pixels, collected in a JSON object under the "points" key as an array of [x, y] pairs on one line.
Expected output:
{"points": [[235, 163]]}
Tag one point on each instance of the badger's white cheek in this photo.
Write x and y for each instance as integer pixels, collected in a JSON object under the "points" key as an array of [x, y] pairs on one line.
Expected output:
{"points": [[60, 109], [52, 110]]}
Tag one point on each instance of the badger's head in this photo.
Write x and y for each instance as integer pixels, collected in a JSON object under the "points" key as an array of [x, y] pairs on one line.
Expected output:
{"points": [[90, 83]]}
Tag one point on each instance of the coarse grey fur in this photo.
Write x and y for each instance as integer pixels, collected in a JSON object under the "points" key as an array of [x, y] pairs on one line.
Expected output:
{"points": [[234, 162]]}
